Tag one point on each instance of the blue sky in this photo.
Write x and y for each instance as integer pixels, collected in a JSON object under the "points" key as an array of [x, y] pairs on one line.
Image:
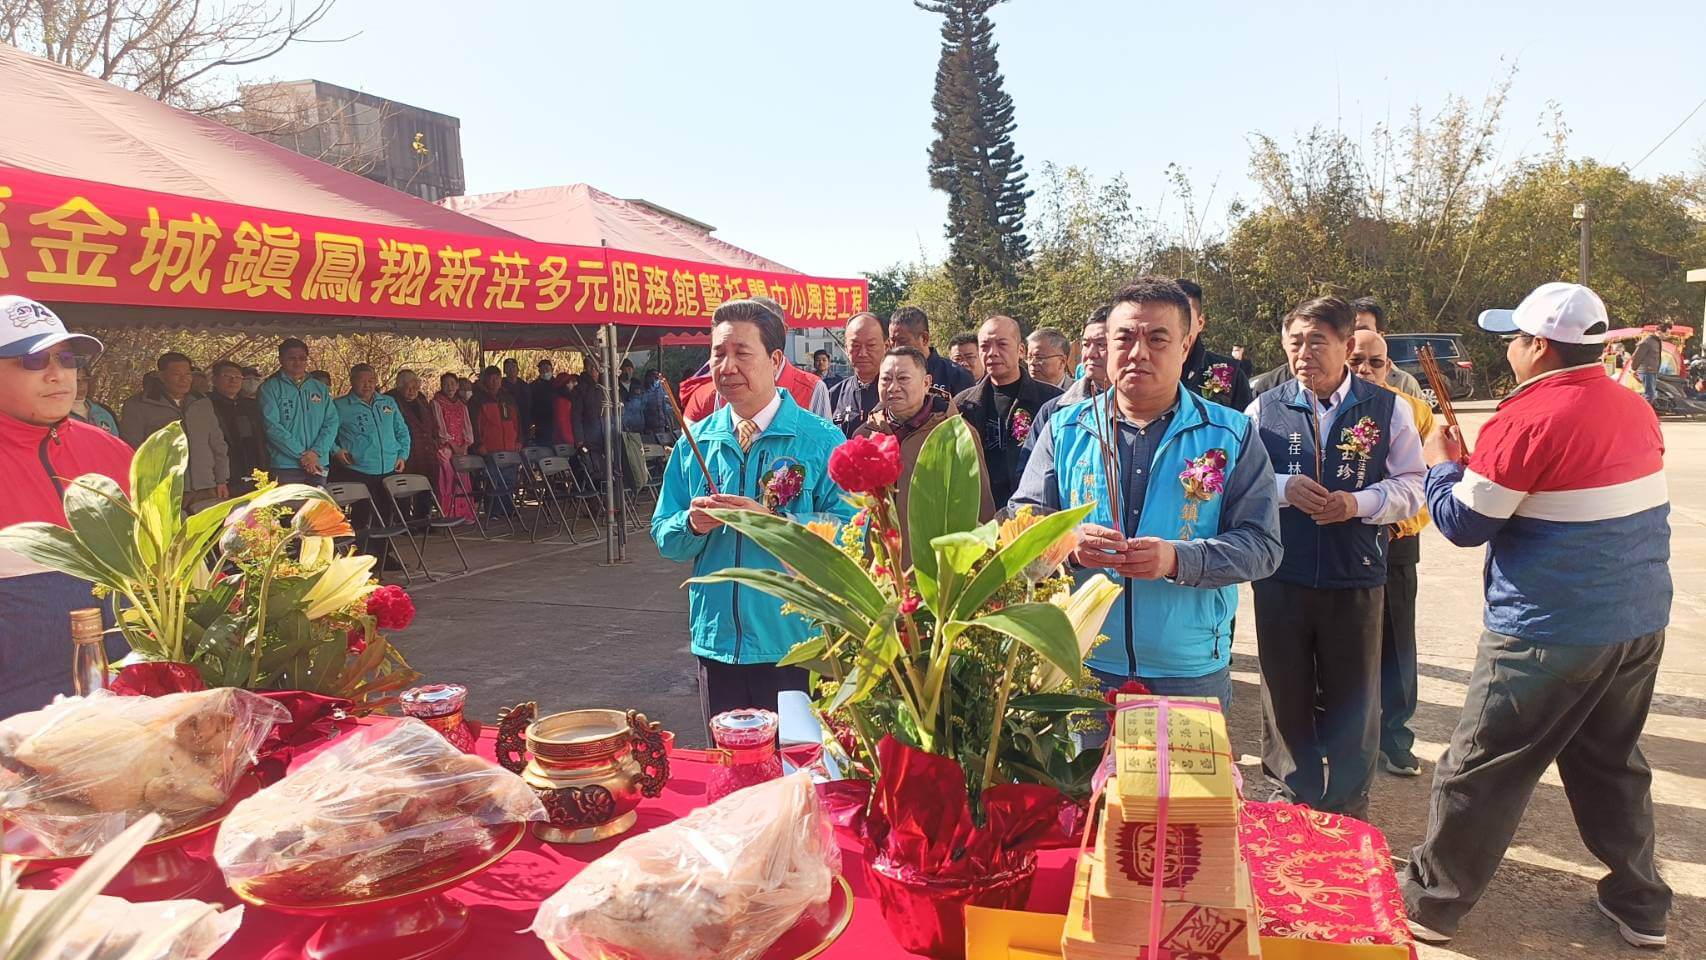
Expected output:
{"points": [[800, 128]]}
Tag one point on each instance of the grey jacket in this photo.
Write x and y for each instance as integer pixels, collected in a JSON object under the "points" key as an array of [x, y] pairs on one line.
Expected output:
{"points": [[210, 463]]}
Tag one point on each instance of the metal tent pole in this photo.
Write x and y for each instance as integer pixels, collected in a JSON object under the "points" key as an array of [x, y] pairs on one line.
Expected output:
{"points": [[612, 536]]}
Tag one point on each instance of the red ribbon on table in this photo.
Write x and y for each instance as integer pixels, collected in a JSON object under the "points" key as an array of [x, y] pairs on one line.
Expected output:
{"points": [[1163, 790]]}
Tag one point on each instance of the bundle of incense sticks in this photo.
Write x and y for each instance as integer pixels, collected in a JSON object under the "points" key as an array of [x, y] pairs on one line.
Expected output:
{"points": [[1442, 390], [1107, 425], [681, 421]]}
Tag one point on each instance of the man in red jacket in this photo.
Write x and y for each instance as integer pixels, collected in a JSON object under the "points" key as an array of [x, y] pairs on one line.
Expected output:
{"points": [[41, 450]]}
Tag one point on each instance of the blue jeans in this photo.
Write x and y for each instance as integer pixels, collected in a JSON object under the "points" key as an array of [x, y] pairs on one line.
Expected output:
{"points": [[1650, 385], [1217, 684]]}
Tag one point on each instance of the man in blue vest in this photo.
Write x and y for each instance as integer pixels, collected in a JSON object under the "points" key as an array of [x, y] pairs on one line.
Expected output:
{"points": [[755, 430], [373, 438], [301, 422], [1348, 462], [1178, 556]]}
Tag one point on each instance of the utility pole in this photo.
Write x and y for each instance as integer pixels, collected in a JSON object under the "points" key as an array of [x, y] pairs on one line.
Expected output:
{"points": [[1584, 218]]}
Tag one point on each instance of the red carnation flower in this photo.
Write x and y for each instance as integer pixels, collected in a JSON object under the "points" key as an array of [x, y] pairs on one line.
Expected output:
{"points": [[866, 464], [911, 603], [1131, 687], [391, 607]]}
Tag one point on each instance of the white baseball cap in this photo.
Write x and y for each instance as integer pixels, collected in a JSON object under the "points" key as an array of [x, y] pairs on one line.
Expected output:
{"points": [[1561, 312], [27, 327]]}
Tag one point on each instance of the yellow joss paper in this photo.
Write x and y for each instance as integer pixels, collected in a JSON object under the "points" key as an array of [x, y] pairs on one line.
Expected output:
{"points": [[1199, 755]]}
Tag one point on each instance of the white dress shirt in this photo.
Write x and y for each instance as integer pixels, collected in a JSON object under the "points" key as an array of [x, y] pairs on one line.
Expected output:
{"points": [[1401, 494]]}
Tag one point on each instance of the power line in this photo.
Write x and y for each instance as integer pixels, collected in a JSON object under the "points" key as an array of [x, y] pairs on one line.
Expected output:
{"points": [[1672, 133]]}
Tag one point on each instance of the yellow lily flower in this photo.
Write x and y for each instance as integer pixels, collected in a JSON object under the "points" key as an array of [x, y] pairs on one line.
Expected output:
{"points": [[1086, 607], [346, 581]]}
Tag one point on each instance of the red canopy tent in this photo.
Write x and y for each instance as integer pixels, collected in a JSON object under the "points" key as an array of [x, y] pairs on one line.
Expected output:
{"points": [[121, 209], [582, 215]]}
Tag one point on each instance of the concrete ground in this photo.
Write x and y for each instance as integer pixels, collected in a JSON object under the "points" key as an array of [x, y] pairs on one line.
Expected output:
{"points": [[551, 623]]}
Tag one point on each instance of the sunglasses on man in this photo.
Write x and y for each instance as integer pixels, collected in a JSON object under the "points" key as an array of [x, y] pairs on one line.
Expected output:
{"points": [[68, 359]]}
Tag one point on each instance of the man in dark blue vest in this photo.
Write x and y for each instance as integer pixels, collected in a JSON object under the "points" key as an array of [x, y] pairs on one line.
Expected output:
{"points": [[1348, 461], [1177, 551]]}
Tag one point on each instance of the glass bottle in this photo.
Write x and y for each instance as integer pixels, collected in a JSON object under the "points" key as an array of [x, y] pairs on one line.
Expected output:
{"points": [[89, 668], [745, 751], [439, 706]]}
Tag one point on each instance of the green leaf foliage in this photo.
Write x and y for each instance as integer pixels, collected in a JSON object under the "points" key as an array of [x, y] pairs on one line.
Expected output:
{"points": [[947, 482]]}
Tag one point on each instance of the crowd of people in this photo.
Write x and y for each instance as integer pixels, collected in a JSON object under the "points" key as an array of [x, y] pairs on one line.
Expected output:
{"points": [[1320, 476], [1312, 486], [292, 427]]}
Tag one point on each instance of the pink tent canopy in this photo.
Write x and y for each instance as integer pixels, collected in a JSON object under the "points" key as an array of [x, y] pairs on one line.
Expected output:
{"points": [[68, 124], [586, 216]]}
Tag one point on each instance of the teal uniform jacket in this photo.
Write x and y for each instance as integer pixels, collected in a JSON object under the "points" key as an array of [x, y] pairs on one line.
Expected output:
{"points": [[729, 622], [1183, 627], [375, 435], [298, 417]]}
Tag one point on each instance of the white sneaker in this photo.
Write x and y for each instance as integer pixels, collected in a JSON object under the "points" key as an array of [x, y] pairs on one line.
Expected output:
{"points": [[1427, 934], [1631, 936]]}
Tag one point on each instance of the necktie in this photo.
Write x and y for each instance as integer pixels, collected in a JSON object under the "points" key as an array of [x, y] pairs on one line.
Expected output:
{"points": [[746, 431]]}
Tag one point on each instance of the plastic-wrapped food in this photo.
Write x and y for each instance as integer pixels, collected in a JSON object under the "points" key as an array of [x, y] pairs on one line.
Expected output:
{"points": [[78, 771], [724, 881], [388, 800], [113, 929]]}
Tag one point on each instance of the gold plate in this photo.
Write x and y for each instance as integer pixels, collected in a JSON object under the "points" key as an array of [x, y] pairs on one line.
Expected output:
{"points": [[247, 785], [428, 884], [832, 931]]}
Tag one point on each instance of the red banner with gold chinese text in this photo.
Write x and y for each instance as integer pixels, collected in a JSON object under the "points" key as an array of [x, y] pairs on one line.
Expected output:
{"points": [[74, 240]]}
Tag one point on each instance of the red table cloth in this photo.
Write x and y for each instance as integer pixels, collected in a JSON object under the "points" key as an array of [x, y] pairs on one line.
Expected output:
{"points": [[503, 900]]}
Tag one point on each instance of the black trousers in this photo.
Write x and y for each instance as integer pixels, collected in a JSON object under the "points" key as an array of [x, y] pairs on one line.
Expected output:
{"points": [[1528, 706], [734, 686], [1398, 648], [1320, 656]]}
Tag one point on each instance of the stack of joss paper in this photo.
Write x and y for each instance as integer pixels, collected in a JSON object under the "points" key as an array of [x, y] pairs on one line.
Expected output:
{"points": [[1139, 894]]}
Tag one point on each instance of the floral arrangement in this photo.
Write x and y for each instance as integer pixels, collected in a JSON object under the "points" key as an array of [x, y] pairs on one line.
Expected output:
{"points": [[1204, 478], [1217, 381], [952, 687], [1359, 440], [974, 654], [783, 483], [1021, 424], [249, 592]]}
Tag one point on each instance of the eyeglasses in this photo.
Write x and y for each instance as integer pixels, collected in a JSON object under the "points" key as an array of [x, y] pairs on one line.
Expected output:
{"points": [[1037, 357], [1375, 362], [68, 359]]}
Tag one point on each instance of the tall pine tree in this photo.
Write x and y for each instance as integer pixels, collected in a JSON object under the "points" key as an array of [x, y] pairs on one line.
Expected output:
{"points": [[972, 159]]}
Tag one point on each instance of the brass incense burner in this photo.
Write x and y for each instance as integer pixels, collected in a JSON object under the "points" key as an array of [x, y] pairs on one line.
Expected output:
{"points": [[590, 767]]}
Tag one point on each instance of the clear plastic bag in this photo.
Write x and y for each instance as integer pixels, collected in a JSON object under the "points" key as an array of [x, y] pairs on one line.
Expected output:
{"points": [[387, 801], [78, 771], [724, 881], [113, 928]]}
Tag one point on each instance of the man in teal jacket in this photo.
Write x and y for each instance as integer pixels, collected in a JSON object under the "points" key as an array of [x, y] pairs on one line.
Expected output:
{"points": [[373, 438], [300, 419], [1178, 551], [756, 433]]}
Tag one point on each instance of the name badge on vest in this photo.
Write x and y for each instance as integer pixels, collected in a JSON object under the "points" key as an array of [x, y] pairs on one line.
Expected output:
{"points": [[1356, 445]]}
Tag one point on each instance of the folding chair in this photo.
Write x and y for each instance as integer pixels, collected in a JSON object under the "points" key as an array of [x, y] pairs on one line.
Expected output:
{"points": [[566, 450], [587, 494], [509, 458], [557, 482], [465, 468], [413, 485], [347, 496]]}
